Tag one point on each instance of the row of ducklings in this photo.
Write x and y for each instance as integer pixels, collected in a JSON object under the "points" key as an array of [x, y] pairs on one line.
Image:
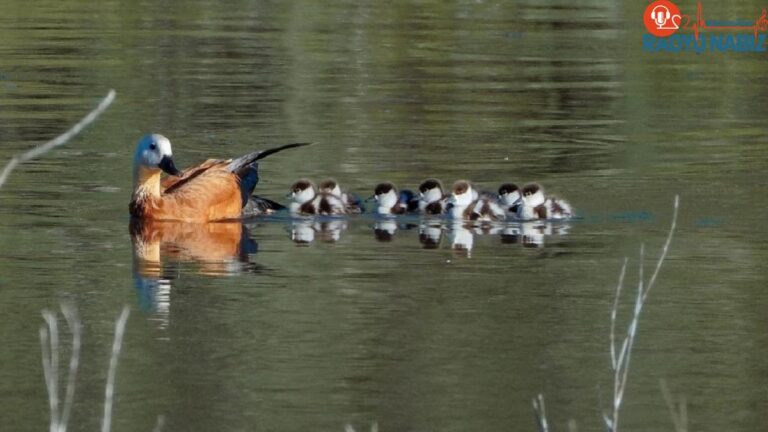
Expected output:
{"points": [[464, 202]]}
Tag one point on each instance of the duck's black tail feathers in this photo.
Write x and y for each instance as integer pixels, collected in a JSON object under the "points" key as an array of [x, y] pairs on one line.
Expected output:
{"points": [[247, 168], [246, 160]]}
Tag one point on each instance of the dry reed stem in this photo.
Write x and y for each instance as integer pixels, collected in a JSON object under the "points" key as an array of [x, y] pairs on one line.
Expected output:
{"points": [[59, 140]]}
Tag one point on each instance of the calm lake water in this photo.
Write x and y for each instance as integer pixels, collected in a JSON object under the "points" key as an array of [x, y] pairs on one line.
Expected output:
{"points": [[286, 326]]}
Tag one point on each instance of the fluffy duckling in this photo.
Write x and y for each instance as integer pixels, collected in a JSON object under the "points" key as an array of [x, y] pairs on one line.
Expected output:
{"points": [[431, 197], [509, 199], [558, 209], [468, 204], [306, 201], [535, 205], [390, 202], [353, 203], [532, 202]]}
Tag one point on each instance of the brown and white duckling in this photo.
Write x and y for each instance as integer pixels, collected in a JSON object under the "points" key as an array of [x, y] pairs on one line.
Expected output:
{"points": [[532, 202], [389, 201], [306, 201], [467, 203], [353, 203], [509, 199], [536, 206], [431, 197]]}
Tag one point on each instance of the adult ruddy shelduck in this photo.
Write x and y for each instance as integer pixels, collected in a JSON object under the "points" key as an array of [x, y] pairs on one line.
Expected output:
{"points": [[214, 190]]}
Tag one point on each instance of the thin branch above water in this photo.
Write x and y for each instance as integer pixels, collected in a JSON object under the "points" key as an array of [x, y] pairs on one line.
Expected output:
{"points": [[59, 140]]}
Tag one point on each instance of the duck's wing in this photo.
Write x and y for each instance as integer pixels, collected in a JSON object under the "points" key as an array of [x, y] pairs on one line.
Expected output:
{"points": [[192, 172], [211, 194]]}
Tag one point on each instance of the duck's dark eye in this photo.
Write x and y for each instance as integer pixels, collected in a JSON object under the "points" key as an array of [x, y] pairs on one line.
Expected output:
{"points": [[152, 146]]}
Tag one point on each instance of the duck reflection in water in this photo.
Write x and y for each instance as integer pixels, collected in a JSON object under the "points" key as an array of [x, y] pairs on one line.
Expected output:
{"points": [[159, 247]]}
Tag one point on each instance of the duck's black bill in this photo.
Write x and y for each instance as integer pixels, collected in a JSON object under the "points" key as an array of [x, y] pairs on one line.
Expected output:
{"points": [[166, 164]]}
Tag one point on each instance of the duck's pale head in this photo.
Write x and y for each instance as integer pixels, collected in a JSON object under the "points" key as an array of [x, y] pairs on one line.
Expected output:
{"points": [[153, 152]]}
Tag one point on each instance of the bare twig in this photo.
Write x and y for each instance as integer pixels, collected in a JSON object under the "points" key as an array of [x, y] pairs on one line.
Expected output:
{"points": [[59, 140], [73, 322], [620, 364], [109, 391], [679, 415], [349, 428], [614, 312], [572, 426], [49, 343], [160, 423], [540, 410], [664, 250]]}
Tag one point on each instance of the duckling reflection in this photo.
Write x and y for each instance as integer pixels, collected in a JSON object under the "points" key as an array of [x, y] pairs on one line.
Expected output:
{"points": [[385, 228], [430, 234], [461, 237], [305, 231], [218, 248], [534, 233], [510, 234]]}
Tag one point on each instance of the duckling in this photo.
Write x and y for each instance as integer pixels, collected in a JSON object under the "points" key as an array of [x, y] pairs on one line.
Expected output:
{"points": [[558, 208], [353, 203], [389, 202], [468, 204], [536, 206], [306, 201], [509, 198], [461, 198], [431, 197], [302, 192], [487, 210], [532, 203]]}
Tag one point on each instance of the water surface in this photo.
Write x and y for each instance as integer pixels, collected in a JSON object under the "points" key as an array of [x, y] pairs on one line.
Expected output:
{"points": [[264, 332]]}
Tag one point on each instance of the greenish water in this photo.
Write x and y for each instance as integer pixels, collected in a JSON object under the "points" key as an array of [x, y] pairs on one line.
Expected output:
{"points": [[348, 329]]}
